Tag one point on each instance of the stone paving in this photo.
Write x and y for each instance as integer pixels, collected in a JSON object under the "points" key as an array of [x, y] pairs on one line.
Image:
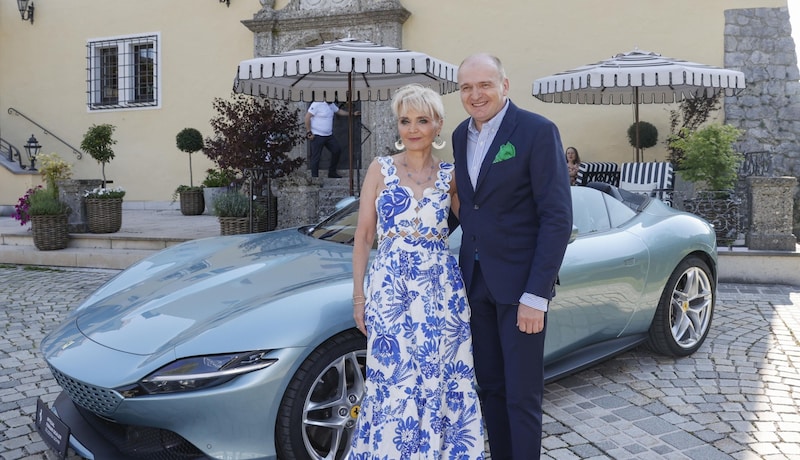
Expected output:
{"points": [[736, 398]]}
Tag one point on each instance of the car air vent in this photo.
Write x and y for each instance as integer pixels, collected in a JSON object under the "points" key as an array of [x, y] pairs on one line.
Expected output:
{"points": [[101, 401]]}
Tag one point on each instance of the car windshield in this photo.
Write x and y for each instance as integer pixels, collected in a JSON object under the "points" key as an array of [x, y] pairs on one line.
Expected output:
{"points": [[593, 211], [340, 227]]}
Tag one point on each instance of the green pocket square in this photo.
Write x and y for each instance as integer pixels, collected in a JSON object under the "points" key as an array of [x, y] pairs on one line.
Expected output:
{"points": [[507, 151]]}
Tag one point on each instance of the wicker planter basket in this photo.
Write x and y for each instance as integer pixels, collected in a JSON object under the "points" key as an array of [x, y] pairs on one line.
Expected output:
{"points": [[104, 215], [50, 232], [192, 203], [240, 225]]}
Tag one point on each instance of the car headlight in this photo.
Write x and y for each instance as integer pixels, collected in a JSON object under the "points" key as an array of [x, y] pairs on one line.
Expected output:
{"points": [[197, 373]]}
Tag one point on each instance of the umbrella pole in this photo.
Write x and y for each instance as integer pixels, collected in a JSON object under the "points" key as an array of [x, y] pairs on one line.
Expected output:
{"points": [[636, 117], [350, 129]]}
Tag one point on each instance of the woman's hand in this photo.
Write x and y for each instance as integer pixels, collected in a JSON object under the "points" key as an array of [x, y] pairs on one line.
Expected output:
{"points": [[358, 315]]}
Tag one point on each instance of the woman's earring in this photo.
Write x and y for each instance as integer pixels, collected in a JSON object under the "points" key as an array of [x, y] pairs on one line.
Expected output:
{"points": [[438, 143], [399, 146]]}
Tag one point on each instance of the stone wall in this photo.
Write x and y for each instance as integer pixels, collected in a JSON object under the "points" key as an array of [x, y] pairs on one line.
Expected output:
{"points": [[758, 42]]}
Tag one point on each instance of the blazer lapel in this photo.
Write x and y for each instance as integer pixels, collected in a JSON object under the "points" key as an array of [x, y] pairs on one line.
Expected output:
{"points": [[503, 133]]}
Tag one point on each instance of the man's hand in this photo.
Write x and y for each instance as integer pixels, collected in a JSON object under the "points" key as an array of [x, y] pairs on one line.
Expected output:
{"points": [[529, 320], [310, 135]]}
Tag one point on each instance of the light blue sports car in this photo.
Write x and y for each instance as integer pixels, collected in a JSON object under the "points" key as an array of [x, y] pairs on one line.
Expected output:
{"points": [[244, 347]]}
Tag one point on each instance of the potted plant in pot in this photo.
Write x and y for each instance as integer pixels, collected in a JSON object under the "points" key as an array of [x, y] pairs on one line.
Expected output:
{"points": [[233, 210], [217, 180], [103, 205], [42, 207], [190, 140], [253, 136], [711, 164]]}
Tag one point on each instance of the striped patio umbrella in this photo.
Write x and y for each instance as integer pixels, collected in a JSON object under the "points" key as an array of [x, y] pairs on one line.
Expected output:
{"points": [[345, 70], [637, 77]]}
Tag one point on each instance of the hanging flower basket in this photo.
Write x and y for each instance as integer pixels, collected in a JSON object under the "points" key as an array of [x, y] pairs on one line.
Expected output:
{"points": [[104, 215], [50, 231]]}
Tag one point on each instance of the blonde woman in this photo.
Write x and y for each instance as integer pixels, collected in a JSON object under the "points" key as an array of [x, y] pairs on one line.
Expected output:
{"points": [[420, 399]]}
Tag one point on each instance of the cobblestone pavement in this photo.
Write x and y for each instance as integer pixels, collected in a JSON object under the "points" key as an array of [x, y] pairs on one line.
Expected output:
{"points": [[737, 397]]}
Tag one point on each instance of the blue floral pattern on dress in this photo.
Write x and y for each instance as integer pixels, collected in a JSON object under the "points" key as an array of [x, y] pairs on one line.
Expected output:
{"points": [[420, 400]]}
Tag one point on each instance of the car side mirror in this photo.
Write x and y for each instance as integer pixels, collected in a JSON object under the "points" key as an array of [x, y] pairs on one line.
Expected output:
{"points": [[573, 235]]}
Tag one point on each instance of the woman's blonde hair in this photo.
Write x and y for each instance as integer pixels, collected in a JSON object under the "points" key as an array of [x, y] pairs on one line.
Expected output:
{"points": [[419, 98]]}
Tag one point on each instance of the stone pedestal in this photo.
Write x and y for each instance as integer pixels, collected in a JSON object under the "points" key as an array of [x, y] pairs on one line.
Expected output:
{"points": [[71, 192], [771, 207]]}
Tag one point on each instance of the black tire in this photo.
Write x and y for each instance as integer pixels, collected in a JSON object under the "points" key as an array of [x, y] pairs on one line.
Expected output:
{"points": [[684, 313], [318, 411]]}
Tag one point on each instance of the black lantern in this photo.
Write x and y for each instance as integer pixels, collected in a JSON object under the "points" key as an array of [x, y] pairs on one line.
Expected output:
{"points": [[32, 148], [25, 10]]}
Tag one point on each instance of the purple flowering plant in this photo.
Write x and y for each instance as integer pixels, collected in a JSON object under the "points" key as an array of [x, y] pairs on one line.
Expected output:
{"points": [[22, 208]]}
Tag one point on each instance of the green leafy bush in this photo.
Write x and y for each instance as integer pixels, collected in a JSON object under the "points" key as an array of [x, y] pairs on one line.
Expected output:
{"points": [[42, 202], [709, 157], [235, 204]]}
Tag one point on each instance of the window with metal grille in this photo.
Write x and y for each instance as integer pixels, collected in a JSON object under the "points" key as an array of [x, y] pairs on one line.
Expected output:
{"points": [[122, 72]]}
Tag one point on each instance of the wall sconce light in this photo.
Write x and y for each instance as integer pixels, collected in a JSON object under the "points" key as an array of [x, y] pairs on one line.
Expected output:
{"points": [[227, 2], [32, 148], [25, 10]]}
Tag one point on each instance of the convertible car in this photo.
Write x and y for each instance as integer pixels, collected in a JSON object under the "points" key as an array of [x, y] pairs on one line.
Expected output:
{"points": [[244, 347]]}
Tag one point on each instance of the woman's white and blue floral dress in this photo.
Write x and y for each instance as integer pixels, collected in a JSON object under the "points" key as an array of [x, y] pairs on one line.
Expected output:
{"points": [[420, 400]]}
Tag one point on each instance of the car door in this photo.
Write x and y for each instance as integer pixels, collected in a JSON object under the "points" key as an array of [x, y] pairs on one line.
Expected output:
{"points": [[601, 279]]}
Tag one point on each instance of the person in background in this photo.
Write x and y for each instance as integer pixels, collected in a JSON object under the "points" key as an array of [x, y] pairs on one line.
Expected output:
{"points": [[319, 127], [420, 399], [573, 162], [516, 216]]}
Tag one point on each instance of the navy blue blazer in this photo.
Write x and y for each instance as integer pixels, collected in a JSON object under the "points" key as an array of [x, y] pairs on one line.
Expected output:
{"points": [[518, 218]]}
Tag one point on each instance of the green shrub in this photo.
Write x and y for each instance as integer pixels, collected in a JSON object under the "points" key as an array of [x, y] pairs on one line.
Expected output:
{"points": [[709, 157], [42, 202]]}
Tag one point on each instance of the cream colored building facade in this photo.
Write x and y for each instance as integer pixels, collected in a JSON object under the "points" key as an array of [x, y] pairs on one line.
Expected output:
{"points": [[46, 80]]}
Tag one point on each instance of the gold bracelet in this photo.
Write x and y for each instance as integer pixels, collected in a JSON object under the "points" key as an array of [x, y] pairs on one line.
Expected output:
{"points": [[359, 297]]}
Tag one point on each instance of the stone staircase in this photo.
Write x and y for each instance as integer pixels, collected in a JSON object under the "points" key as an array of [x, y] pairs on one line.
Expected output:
{"points": [[84, 250], [143, 232]]}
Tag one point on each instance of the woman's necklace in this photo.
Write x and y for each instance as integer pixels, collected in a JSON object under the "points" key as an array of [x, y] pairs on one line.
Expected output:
{"points": [[410, 176]]}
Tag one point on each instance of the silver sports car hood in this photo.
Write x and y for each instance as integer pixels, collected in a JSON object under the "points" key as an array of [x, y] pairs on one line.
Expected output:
{"points": [[207, 285]]}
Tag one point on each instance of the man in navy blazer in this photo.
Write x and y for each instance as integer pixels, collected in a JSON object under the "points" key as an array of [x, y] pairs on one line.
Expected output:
{"points": [[516, 215]]}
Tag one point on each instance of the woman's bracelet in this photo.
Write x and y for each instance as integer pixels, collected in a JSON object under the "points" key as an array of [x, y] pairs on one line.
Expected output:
{"points": [[359, 299]]}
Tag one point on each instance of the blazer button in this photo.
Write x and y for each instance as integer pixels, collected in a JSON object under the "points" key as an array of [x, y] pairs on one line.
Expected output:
{"points": [[475, 207]]}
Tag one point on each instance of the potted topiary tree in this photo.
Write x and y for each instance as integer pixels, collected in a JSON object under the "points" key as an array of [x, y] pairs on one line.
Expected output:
{"points": [[103, 204], [644, 137], [190, 140], [252, 136]]}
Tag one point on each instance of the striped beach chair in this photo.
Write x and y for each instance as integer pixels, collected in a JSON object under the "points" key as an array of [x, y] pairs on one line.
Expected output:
{"points": [[598, 172], [655, 179]]}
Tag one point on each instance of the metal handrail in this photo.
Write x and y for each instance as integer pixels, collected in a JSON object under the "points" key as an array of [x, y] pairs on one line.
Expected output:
{"points": [[13, 111], [6, 146]]}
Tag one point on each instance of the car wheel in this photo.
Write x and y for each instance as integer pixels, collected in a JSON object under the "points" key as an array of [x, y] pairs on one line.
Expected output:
{"points": [[684, 313], [317, 415]]}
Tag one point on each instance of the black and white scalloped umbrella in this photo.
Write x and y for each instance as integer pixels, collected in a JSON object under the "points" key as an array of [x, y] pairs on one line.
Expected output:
{"points": [[342, 70], [638, 77]]}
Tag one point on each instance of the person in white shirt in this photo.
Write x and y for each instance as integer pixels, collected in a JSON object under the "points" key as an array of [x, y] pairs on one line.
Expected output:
{"points": [[319, 124]]}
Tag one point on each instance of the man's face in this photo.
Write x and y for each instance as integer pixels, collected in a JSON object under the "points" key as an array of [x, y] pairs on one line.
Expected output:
{"points": [[483, 90]]}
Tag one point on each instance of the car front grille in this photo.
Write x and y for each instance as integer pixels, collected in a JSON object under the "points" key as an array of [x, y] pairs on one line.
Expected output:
{"points": [[101, 401], [143, 443]]}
